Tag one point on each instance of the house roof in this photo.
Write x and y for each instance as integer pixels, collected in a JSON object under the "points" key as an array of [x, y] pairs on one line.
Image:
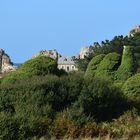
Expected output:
{"points": [[65, 61]]}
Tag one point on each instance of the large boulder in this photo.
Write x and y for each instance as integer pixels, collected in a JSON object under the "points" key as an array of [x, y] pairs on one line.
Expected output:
{"points": [[49, 53], [5, 63]]}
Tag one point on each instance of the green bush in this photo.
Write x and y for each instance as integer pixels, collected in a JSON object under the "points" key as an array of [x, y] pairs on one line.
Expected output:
{"points": [[131, 87], [93, 64], [63, 126], [101, 100], [45, 106], [15, 76], [126, 68], [108, 66], [69, 122], [9, 127], [41, 65], [35, 101]]}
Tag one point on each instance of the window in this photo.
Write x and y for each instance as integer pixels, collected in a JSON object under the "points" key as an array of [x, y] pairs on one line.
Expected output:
{"points": [[68, 68]]}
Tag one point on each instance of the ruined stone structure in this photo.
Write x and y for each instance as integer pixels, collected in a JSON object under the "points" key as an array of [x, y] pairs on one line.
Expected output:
{"points": [[50, 53], [134, 30], [85, 51], [5, 63]]}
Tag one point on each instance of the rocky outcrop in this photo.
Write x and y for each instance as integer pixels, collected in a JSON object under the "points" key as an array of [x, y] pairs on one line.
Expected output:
{"points": [[50, 53], [85, 51], [134, 30], [5, 63]]}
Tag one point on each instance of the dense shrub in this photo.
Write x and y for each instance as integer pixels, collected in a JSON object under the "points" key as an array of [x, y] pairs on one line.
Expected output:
{"points": [[136, 51], [101, 100], [35, 101], [73, 84], [93, 64], [126, 126], [41, 65], [15, 76], [108, 66], [66, 106], [131, 87], [69, 122], [63, 126], [9, 128], [126, 68]]}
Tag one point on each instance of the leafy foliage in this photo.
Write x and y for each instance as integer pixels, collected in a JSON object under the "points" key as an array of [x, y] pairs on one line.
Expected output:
{"points": [[126, 68], [37, 105], [131, 87], [110, 46], [105, 47], [98, 98], [41, 65], [41, 105], [93, 65], [108, 66]]}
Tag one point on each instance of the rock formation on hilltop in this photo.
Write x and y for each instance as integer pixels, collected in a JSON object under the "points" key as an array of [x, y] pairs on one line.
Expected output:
{"points": [[85, 51], [50, 53], [134, 30], [5, 63]]}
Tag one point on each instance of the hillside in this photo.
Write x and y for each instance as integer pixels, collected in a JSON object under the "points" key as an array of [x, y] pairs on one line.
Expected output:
{"points": [[39, 101]]}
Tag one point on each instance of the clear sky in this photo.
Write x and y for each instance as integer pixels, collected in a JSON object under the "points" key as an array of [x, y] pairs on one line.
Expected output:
{"points": [[28, 26]]}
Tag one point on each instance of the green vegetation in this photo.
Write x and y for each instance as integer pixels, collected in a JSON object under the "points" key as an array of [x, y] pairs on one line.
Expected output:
{"points": [[40, 102], [93, 64], [105, 47], [108, 65], [99, 97], [41, 65], [110, 46], [103, 66], [37, 105], [131, 87], [126, 68]]}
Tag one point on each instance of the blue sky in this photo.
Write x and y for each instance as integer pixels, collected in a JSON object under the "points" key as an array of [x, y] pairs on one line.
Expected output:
{"points": [[27, 26]]}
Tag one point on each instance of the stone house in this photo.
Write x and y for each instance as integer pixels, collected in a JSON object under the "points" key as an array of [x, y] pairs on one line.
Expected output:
{"points": [[67, 64]]}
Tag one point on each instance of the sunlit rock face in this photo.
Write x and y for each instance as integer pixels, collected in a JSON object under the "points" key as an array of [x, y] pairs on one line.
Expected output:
{"points": [[5, 63], [50, 53], [134, 30], [85, 51]]}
